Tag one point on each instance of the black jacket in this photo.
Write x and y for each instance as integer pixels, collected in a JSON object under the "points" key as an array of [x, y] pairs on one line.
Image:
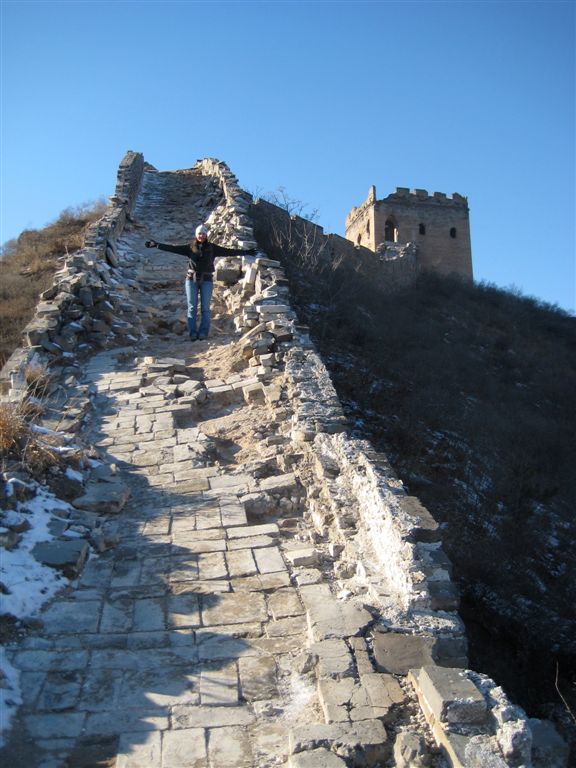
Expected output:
{"points": [[201, 257]]}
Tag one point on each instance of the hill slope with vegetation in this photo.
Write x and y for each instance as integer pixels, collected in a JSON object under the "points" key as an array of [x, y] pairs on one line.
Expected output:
{"points": [[28, 264]]}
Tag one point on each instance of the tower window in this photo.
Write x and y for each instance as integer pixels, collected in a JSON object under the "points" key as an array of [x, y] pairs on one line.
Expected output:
{"points": [[453, 232], [358, 239], [368, 227], [422, 229], [390, 231]]}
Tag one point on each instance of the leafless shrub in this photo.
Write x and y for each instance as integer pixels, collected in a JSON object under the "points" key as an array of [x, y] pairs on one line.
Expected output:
{"points": [[19, 444], [295, 235], [38, 379], [294, 207]]}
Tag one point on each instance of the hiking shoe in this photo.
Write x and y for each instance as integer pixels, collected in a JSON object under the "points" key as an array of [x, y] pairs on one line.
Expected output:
{"points": [[202, 338]]}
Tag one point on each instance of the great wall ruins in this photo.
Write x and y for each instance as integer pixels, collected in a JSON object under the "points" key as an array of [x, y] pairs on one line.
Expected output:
{"points": [[251, 586]]}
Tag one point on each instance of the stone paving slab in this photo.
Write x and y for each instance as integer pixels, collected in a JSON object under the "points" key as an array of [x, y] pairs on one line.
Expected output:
{"points": [[184, 749], [258, 678], [284, 603], [36, 660], [185, 569], [136, 750], [328, 618], [241, 563], [233, 608], [203, 535], [288, 644], [269, 560], [269, 529], [47, 726], [263, 582], [198, 587], [117, 722], [251, 542], [316, 758], [293, 625], [174, 685], [72, 617], [183, 545], [230, 747], [183, 611], [212, 566], [364, 742], [214, 647], [219, 686], [210, 716]]}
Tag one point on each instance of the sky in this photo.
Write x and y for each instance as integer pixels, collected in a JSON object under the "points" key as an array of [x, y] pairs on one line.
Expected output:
{"points": [[322, 98]]}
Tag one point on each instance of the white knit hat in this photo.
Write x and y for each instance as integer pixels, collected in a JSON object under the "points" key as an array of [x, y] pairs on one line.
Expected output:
{"points": [[201, 230]]}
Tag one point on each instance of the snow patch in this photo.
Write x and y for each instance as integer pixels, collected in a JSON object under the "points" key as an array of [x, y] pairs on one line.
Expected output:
{"points": [[28, 583]]}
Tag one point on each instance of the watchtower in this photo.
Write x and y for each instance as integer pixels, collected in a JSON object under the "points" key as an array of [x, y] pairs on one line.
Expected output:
{"points": [[438, 224]]}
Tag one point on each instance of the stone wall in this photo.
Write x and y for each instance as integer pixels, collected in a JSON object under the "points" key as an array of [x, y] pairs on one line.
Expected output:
{"points": [[307, 246]]}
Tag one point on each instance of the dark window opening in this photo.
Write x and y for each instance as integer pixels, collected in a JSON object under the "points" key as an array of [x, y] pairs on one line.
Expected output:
{"points": [[368, 227], [358, 239], [422, 229], [453, 232], [390, 231]]}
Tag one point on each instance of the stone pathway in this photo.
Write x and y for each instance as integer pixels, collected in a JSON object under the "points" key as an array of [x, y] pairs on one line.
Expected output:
{"points": [[209, 635], [260, 590]]}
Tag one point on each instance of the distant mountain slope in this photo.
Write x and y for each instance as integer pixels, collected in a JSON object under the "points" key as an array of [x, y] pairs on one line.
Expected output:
{"points": [[470, 391]]}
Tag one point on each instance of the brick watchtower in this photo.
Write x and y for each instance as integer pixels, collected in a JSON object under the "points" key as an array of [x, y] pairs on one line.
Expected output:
{"points": [[438, 225]]}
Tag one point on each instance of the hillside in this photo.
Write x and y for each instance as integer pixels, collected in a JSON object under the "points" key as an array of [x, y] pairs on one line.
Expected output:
{"points": [[469, 391], [28, 264]]}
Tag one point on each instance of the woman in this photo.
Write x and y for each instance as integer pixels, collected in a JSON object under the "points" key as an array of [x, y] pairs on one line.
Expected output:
{"points": [[201, 256]]}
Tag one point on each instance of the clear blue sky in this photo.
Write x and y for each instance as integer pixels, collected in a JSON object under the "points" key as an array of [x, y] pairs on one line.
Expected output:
{"points": [[322, 98]]}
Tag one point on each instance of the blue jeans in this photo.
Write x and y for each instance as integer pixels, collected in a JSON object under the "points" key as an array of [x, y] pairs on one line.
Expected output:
{"points": [[193, 291]]}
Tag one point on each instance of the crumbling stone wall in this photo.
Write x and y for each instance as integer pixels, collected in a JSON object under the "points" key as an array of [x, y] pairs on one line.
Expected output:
{"points": [[83, 309]]}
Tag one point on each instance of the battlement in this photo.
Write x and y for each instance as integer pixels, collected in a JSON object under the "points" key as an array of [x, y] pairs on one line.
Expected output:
{"points": [[406, 196], [418, 195]]}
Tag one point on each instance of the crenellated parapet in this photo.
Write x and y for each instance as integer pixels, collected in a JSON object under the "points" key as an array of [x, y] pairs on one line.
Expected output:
{"points": [[419, 195]]}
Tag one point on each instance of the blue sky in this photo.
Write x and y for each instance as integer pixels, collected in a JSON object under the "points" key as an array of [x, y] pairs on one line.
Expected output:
{"points": [[322, 98]]}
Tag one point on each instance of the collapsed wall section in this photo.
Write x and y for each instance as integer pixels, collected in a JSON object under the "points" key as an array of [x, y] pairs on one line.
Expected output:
{"points": [[84, 309]]}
